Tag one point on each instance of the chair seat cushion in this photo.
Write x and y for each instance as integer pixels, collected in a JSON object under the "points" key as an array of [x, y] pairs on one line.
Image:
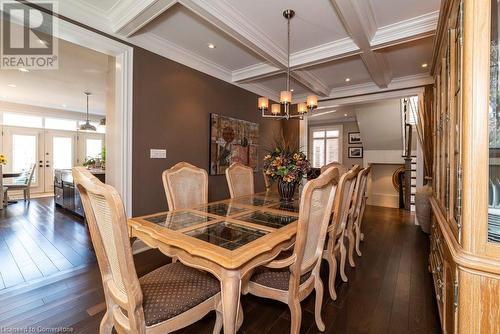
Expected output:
{"points": [[275, 278], [174, 289]]}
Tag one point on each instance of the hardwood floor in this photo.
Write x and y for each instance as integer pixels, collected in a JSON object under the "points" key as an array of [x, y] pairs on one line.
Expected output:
{"points": [[38, 241], [389, 291]]}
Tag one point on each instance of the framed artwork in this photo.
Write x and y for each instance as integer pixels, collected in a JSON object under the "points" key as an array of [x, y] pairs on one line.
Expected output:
{"points": [[232, 140], [355, 152], [354, 137]]}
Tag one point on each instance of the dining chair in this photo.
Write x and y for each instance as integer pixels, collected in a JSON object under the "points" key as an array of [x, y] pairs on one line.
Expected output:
{"points": [[185, 186], [342, 168], [164, 300], [336, 230], [239, 180], [292, 279], [356, 215], [23, 182]]}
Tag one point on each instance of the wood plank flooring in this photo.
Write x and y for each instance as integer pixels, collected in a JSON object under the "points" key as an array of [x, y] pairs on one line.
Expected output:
{"points": [[389, 291], [38, 241]]}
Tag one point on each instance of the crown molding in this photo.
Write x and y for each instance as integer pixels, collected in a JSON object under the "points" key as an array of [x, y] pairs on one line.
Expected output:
{"points": [[128, 16], [311, 81], [369, 88], [406, 31], [323, 53], [254, 72]]}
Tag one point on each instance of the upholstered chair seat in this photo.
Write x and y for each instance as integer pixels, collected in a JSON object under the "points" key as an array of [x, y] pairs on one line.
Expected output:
{"points": [[278, 279], [174, 289]]}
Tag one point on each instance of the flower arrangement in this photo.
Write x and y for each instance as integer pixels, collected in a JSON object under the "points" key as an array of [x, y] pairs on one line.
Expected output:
{"points": [[3, 159], [287, 165], [286, 162]]}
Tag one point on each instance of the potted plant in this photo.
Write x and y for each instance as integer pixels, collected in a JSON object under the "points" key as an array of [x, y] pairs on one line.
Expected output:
{"points": [[287, 165]]}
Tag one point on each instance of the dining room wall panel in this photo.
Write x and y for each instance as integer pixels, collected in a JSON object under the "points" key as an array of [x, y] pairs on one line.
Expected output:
{"points": [[172, 106]]}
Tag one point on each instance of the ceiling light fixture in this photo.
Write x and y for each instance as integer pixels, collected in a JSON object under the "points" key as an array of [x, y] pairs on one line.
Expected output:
{"points": [[345, 115], [211, 46], [87, 126], [347, 79], [11, 85], [63, 105], [424, 65], [25, 70], [311, 102]]}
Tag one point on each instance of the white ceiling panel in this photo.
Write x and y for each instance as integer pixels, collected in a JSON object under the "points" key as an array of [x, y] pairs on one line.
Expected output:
{"points": [[102, 5], [184, 28], [315, 22], [391, 11], [277, 83], [80, 69], [334, 74], [407, 59], [331, 115]]}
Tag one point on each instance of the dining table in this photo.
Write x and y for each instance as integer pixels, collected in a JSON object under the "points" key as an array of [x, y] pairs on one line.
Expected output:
{"points": [[228, 238]]}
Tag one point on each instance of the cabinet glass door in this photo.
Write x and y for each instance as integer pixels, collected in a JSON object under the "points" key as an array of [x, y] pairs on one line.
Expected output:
{"points": [[494, 130]]}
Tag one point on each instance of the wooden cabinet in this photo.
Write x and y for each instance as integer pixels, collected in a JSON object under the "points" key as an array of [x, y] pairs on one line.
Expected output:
{"points": [[465, 248]]}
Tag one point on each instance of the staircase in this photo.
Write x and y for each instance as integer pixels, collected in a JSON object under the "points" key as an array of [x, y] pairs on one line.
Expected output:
{"points": [[409, 110]]}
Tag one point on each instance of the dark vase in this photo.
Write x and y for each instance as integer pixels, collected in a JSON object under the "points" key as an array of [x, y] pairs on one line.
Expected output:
{"points": [[286, 190]]}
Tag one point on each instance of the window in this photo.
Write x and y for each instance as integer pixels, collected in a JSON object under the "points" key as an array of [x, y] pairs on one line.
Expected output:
{"points": [[24, 151], [60, 124], [62, 152], [15, 119], [326, 145], [93, 148]]}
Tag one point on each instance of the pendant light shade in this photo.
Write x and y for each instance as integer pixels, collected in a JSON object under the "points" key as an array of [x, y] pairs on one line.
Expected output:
{"points": [[87, 126]]}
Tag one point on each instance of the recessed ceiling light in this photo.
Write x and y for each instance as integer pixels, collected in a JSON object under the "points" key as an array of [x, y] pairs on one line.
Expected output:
{"points": [[424, 65], [25, 70], [211, 46], [63, 105], [291, 89], [12, 85], [347, 79], [345, 115]]}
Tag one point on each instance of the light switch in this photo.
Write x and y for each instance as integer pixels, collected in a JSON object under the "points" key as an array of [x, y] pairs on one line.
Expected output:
{"points": [[157, 153]]}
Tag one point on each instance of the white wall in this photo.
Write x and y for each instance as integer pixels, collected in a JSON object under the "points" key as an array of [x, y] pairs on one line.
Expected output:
{"points": [[380, 126]]}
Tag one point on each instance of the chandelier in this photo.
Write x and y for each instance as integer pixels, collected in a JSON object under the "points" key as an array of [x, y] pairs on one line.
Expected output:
{"points": [[282, 110]]}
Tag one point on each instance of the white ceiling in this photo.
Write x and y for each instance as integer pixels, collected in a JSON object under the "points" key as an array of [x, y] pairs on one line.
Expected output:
{"points": [[378, 44], [80, 69]]}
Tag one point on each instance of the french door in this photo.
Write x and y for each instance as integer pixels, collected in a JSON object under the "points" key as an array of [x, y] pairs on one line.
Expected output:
{"points": [[48, 149], [24, 147], [60, 153]]}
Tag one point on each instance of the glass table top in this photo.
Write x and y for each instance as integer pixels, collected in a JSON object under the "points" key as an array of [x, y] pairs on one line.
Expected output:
{"points": [[226, 235], [256, 201], [221, 209], [287, 206], [268, 219], [179, 220]]}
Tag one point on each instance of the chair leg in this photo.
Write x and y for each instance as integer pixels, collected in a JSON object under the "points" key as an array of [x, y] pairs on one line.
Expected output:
{"points": [[352, 240], [106, 324], [343, 255], [295, 315], [240, 317], [318, 287], [332, 264], [218, 319], [358, 239]]}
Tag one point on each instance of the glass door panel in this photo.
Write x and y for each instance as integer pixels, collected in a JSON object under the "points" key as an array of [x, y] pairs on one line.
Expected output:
{"points": [[59, 154], [23, 148], [494, 130]]}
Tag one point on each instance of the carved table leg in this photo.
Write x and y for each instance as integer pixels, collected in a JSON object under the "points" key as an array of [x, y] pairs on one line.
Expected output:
{"points": [[230, 291]]}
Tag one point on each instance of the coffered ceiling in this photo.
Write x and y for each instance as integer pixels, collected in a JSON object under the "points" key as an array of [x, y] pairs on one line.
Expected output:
{"points": [[339, 47]]}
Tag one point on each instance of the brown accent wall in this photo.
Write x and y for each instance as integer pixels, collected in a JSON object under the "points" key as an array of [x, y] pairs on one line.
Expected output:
{"points": [[172, 106]]}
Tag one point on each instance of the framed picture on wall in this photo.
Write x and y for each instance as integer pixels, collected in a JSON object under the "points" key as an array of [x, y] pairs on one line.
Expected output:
{"points": [[354, 137], [355, 152]]}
